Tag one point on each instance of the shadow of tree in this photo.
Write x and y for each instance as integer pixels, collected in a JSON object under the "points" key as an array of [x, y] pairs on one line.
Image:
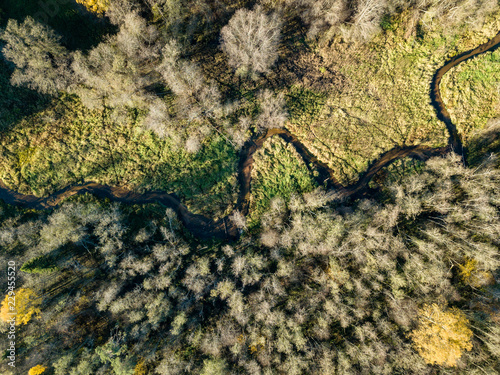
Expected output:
{"points": [[484, 143], [201, 180], [78, 28], [16, 102]]}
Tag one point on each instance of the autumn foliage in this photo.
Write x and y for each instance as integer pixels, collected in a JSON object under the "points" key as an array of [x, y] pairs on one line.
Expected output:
{"points": [[140, 368], [471, 275], [26, 305], [96, 6], [37, 370], [441, 336]]}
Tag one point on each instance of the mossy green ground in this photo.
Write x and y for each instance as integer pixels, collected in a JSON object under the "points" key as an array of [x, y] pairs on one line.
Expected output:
{"points": [[67, 144], [471, 92], [279, 171], [381, 98]]}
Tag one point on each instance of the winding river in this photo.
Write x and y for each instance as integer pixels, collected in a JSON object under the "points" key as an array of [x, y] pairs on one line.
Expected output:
{"points": [[206, 228]]}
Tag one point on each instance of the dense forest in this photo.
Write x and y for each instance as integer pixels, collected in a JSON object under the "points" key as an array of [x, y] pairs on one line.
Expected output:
{"points": [[250, 187]]}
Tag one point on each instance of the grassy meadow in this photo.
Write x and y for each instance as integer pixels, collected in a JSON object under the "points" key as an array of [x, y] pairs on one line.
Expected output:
{"points": [[380, 98], [67, 144], [351, 103], [279, 171], [471, 92]]}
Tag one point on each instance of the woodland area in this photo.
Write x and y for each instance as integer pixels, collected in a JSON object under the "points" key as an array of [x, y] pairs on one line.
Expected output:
{"points": [[267, 117]]}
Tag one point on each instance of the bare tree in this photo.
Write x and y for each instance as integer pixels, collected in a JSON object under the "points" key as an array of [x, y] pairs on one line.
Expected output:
{"points": [[41, 62], [198, 101], [120, 69], [359, 20], [158, 119], [454, 12], [118, 10], [251, 40], [193, 144], [273, 113], [239, 219], [322, 16], [366, 19], [239, 132], [196, 96]]}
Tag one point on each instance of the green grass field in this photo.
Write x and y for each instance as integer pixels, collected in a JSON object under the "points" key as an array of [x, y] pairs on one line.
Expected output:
{"points": [[67, 144], [279, 171], [471, 92], [382, 99]]}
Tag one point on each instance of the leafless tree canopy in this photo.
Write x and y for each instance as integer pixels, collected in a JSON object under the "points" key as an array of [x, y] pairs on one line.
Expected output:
{"points": [[316, 290], [359, 20], [197, 97], [273, 113], [41, 62], [120, 69], [251, 40]]}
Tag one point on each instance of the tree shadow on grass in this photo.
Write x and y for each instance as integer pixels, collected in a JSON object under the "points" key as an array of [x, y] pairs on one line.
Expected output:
{"points": [[78, 28], [17, 102], [202, 180], [484, 143]]}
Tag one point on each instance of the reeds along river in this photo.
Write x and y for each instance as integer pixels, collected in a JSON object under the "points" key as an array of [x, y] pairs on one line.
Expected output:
{"points": [[206, 228]]}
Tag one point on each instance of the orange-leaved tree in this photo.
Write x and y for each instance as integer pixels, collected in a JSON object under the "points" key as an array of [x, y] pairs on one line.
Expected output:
{"points": [[37, 370], [25, 305], [442, 335]]}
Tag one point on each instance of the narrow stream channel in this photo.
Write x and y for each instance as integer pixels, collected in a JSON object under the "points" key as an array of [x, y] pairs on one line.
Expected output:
{"points": [[206, 228]]}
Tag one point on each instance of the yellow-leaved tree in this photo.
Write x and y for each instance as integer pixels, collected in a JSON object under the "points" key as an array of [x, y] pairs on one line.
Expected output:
{"points": [[442, 335], [26, 304], [37, 370], [96, 6], [473, 276], [141, 368]]}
